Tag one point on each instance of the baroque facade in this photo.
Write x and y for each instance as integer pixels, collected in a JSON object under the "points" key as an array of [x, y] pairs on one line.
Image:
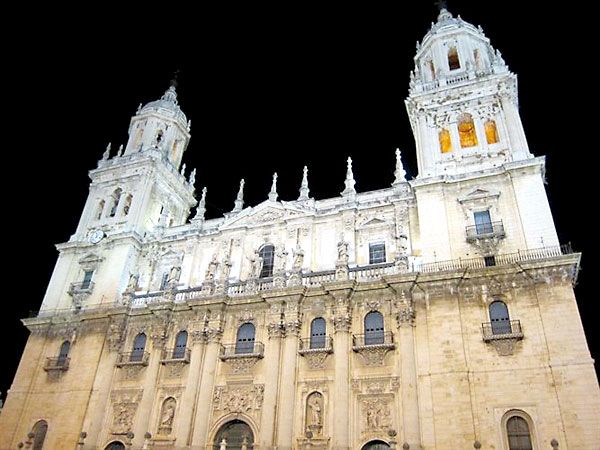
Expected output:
{"points": [[436, 313]]}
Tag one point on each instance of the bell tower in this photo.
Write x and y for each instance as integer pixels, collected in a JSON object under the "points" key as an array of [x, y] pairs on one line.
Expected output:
{"points": [[463, 102]]}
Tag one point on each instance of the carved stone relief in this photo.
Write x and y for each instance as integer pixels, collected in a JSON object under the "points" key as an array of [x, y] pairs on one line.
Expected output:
{"points": [[376, 413], [316, 360], [242, 398], [124, 406]]}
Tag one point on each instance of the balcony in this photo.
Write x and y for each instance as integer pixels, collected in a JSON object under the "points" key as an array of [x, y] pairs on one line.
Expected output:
{"points": [[382, 339], [316, 344], [135, 358], [242, 350], [490, 230], [510, 329], [176, 355], [83, 287], [60, 363]]}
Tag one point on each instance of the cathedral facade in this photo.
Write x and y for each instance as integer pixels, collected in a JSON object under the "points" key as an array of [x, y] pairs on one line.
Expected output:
{"points": [[437, 313]]}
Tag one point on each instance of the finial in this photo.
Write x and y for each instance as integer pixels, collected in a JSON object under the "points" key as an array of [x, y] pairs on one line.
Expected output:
{"points": [[349, 191], [304, 186], [201, 210], [192, 179], [120, 152], [106, 153], [273, 194], [139, 108], [399, 173], [170, 94], [189, 125], [182, 171], [239, 201], [174, 79], [444, 13]]}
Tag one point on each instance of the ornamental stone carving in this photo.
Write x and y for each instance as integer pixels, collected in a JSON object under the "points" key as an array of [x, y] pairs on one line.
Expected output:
{"points": [[243, 398], [124, 406], [342, 323], [167, 416], [376, 414], [315, 413], [316, 360], [240, 366], [374, 356]]}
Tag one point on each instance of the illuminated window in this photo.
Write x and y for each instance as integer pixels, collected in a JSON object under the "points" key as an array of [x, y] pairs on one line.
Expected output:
{"points": [[445, 142], [491, 132], [453, 61], [466, 131]]}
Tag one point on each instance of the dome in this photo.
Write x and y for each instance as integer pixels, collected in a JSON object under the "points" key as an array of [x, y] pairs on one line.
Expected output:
{"points": [[167, 105]]}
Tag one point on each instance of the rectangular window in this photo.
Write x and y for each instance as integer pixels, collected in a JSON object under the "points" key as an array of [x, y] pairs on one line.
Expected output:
{"points": [[483, 222], [376, 253], [163, 281], [87, 279]]}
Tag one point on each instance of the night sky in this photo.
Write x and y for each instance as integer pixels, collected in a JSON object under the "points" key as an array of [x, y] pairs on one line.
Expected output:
{"points": [[267, 89]]}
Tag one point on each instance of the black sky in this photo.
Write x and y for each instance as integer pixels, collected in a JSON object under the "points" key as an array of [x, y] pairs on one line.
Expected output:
{"points": [[268, 88]]}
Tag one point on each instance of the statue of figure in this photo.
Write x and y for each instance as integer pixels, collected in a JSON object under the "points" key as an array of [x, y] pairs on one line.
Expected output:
{"points": [[255, 265], [342, 251], [174, 275], [183, 166], [315, 410], [132, 284], [212, 268], [298, 259], [193, 177], [120, 152], [223, 444], [106, 153], [168, 414]]}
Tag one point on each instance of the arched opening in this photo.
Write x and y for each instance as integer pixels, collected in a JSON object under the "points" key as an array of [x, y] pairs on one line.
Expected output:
{"points": [[519, 437], [115, 445], [167, 416], [39, 431], [445, 141], [375, 445], [430, 69], [180, 345], [374, 328], [491, 132], [234, 435], [63, 354], [466, 131], [477, 59], [499, 318], [116, 197], [139, 346], [100, 209], [245, 339], [267, 254], [453, 60], [127, 205], [318, 333]]}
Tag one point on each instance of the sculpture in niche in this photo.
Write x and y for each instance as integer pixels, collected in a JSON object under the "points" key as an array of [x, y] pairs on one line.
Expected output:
{"points": [[342, 251], [298, 259], [466, 131], [212, 268], [167, 416], [445, 142], [174, 275], [132, 284], [491, 132], [255, 265], [314, 413]]}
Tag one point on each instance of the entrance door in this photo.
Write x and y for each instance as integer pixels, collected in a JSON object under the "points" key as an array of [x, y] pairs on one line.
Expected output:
{"points": [[376, 445], [233, 435]]}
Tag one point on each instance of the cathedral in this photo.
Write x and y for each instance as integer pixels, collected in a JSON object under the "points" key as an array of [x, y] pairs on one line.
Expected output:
{"points": [[435, 313]]}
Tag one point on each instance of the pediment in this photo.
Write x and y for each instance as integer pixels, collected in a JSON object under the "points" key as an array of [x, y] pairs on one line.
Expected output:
{"points": [[264, 213], [478, 194], [90, 258], [373, 222]]}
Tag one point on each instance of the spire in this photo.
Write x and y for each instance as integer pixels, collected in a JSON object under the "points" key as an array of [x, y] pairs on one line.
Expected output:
{"points": [[349, 191], [444, 13], [399, 173], [192, 179], [201, 210], [106, 153], [273, 194], [170, 94], [239, 201], [304, 186]]}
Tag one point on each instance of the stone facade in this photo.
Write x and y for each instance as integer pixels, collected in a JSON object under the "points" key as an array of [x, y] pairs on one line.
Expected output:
{"points": [[319, 324]]}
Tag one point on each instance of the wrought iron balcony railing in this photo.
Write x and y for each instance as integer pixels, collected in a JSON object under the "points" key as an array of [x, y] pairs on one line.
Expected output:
{"points": [[175, 355], [57, 363], [316, 344], [243, 349], [135, 358], [503, 329], [373, 339], [485, 230]]}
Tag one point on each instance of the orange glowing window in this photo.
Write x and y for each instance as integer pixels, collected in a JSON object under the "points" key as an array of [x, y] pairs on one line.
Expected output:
{"points": [[466, 131], [445, 142], [491, 132], [453, 61]]}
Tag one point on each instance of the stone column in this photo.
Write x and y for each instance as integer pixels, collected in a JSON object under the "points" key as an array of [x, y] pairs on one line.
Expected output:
{"points": [[186, 408], [341, 400], [410, 404], [204, 401], [266, 437], [287, 388]]}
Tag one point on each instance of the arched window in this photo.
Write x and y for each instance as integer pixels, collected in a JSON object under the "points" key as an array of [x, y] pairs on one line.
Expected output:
{"points": [[234, 435], [139, 345], [318, 333], [116, 445], [375, 445], [499, 318], [39, 431], [491, 132], [127, 205], [100, 209], [519, 437], [245, 339], [180, 345], [267, 253], [63, 353], [453, 61], [466, 131], [374, 328], [445, 142], [116, 197]]}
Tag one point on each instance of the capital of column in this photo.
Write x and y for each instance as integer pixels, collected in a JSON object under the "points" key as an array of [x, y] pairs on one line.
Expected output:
{"points": [[405, 316], [213, 335], [342, 323], [276, 330], [292, 327]]}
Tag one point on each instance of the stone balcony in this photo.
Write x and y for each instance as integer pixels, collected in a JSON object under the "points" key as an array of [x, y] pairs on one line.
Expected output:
{"points": [[60, 363], [485, 231]]}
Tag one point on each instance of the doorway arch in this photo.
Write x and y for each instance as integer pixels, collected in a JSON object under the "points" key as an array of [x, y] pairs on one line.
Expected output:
{"points": [[115, 445], [234, 432], [376, 445]]}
